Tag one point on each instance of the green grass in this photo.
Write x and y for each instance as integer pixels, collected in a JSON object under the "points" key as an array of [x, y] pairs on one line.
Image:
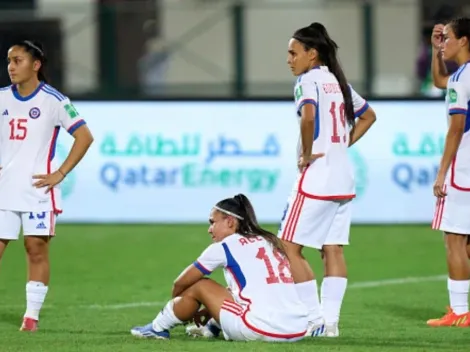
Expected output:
{"points": [[108, 265]]}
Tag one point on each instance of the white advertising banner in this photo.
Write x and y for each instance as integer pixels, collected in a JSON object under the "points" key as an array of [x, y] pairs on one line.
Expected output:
{"points": [[172, 161]]}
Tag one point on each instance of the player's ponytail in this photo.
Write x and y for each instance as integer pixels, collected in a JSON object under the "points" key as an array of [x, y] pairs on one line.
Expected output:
{"points": [[240, 207], [316, 37], [35, 49]]}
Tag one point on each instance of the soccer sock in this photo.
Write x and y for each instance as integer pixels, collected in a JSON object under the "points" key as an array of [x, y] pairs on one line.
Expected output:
{"points": [[213, 322], [213, 326], [458, 295], [332, 294], [35, 295], [308, 294], [166, 319]]}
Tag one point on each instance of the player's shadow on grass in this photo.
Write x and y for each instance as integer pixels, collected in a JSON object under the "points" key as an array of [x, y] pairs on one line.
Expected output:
{"points": [[410, 313], [10, 318]]}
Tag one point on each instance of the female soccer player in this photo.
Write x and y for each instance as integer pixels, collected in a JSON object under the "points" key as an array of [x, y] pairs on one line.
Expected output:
{"points": [[452, 186], [261, 302], [318, 214], [32, 114]]}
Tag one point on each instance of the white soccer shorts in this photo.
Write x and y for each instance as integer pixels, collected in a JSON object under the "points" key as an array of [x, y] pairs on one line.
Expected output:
{"points": [[34, 224], [235, 329], [314, 223], [452, 213]]}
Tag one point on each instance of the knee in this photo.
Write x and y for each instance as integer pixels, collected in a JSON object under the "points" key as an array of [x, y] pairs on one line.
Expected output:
{"points": [[455, 243], [331, 251], [36, 251], [292, 250]]}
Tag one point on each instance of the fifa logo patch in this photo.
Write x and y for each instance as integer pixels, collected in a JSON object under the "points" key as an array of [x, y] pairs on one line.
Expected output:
{"points": [[34, 113]]}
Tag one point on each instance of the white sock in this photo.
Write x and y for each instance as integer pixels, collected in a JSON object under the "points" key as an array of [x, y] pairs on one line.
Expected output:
{"points": [[166, 319], [308, 294], [35, 296], [332, 294], [458, 294]]}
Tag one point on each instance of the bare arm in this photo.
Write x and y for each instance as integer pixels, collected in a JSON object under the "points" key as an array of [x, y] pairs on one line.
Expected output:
{"points": [[83, 140], [186, 279], [365, 121], [453, 138], [307, 128], [439, 72]]}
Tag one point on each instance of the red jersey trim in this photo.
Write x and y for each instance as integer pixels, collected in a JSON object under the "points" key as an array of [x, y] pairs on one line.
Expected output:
{"points": [[452, 177], [323, 197], [50, 157], [254, 328]]}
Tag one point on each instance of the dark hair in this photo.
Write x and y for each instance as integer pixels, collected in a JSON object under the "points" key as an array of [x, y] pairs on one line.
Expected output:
{"points": [[461, 27], [36, 51], [316, 37], [248, 226]]}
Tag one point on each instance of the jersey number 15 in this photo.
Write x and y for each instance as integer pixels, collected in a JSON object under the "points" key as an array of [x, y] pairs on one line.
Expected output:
{"points": [[18, 129], [283, 267]]}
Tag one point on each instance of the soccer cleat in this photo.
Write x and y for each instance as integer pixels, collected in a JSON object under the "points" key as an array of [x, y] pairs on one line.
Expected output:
{"points": [[331, 330], [29, 324], [315, 329], [451, 319], [207, 331], [148, 332]]}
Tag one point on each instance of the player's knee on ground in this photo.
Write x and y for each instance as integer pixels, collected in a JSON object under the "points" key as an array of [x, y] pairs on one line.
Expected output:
{"points": [[36, 248]]}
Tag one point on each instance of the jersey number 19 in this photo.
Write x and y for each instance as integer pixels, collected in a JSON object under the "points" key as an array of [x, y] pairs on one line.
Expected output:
{"points": [[335, 138]]}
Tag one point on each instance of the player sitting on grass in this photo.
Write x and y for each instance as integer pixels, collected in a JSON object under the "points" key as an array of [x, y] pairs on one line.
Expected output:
{"points": [[261, 302]]}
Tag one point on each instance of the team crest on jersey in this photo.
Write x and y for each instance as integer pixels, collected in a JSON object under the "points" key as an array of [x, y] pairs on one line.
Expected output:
{"points": [[34, 113]]}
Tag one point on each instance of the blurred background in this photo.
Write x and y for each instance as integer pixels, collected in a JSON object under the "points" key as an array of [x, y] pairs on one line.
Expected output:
{"points": [[190, 101]]}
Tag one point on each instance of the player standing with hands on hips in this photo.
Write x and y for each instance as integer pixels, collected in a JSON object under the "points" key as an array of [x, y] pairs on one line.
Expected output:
{"points": [[452, 187], [32, 113], [318, 214]]}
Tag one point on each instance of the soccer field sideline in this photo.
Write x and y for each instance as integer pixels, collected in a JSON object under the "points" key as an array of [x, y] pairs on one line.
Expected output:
{"points": [[354, 285]]}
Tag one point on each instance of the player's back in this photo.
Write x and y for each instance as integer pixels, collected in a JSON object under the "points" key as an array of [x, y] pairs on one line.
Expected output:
{"points": [[260, 278], [331, 176]]}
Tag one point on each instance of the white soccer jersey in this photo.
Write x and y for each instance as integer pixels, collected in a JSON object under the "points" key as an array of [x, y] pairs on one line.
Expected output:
{"points": [[260, 280], [28, 134], [457, 101], [332, 176]]}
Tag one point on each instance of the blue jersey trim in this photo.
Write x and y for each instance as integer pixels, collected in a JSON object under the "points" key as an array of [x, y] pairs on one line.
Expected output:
{"points": [[54, 93], [29, 97], [362, 110], [234, 267], [76, 126], [54, 142], [201, 268]]}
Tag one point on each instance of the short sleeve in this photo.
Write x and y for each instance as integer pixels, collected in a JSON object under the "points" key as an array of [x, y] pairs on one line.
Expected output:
{"points": [[359, 103], [306, 92], [212, 258], [457, 97], [69, 118]]}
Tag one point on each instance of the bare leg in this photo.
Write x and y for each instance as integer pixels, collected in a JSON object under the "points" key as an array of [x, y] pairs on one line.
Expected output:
{"points": [[37, 250], [333, 287], [305, 282]]}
